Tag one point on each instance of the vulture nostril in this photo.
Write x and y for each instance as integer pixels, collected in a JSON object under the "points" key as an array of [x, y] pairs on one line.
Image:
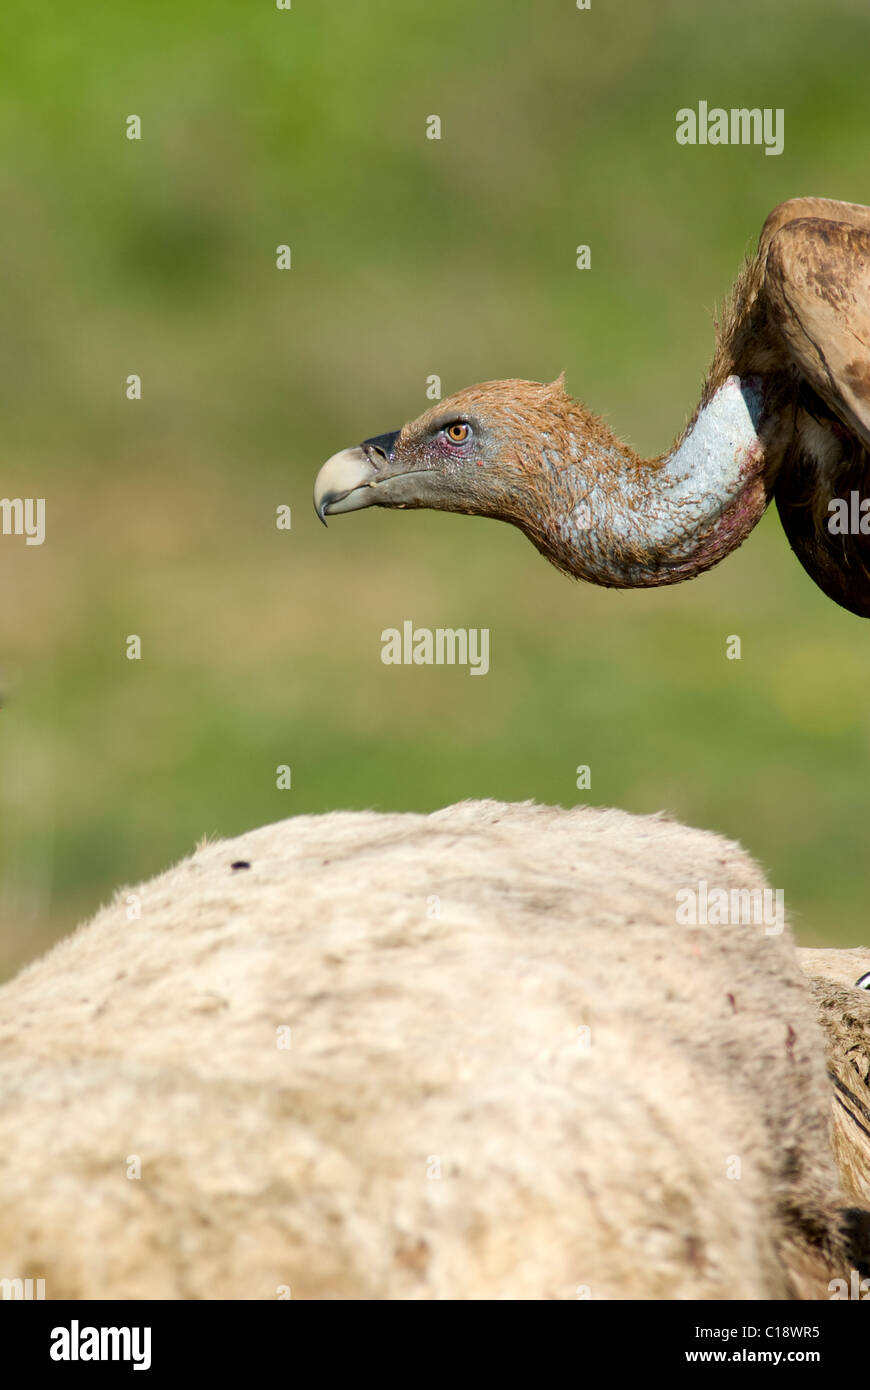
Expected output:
{"points": [[379, 449]]}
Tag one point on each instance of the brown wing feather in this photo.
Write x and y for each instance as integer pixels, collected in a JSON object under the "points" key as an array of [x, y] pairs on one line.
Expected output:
{"points": [[816, 285], [817, 281], [826, 208]]}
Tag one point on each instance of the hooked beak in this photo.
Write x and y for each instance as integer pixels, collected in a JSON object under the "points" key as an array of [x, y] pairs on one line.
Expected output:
{"points": [[343, 483], [364, 477]]}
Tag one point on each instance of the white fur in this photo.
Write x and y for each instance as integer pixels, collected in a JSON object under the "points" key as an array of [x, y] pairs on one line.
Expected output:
{"points": [[443, 1126]]}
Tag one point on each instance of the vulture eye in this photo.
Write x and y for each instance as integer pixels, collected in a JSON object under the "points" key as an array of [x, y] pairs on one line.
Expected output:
{"points": [[863, 981], [459, 432]]}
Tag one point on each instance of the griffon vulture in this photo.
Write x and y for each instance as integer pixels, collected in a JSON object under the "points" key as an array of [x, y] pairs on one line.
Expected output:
{"points": [[784, 413]]}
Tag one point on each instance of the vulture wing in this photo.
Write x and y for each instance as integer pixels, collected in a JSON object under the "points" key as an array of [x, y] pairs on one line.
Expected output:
{"points": [[817, 281], [817, 288]]}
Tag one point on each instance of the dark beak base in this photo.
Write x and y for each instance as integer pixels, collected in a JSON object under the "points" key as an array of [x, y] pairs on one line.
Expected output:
{"points": [[384, 444]]}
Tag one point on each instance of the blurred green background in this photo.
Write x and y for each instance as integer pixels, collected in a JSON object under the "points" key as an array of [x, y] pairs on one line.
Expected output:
{"points": [[410, 257]]}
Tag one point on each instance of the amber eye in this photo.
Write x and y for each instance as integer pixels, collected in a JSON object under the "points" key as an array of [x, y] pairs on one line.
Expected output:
{"points": [[458, 432]]}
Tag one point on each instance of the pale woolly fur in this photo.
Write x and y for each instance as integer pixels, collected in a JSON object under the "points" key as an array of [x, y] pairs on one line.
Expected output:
{"points": [[415, 1037], [844, 1012]]}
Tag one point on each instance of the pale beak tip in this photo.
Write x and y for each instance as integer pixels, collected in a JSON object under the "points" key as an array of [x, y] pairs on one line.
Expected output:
{"points": [[339, 484]]}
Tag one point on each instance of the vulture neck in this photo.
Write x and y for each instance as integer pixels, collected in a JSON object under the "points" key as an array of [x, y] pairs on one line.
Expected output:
{"points": [[628, 522]]}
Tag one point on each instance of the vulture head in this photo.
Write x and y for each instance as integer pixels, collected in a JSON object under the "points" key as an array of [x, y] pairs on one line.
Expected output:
{"points": [[486, 451], [784, 413], [473, 453]]}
